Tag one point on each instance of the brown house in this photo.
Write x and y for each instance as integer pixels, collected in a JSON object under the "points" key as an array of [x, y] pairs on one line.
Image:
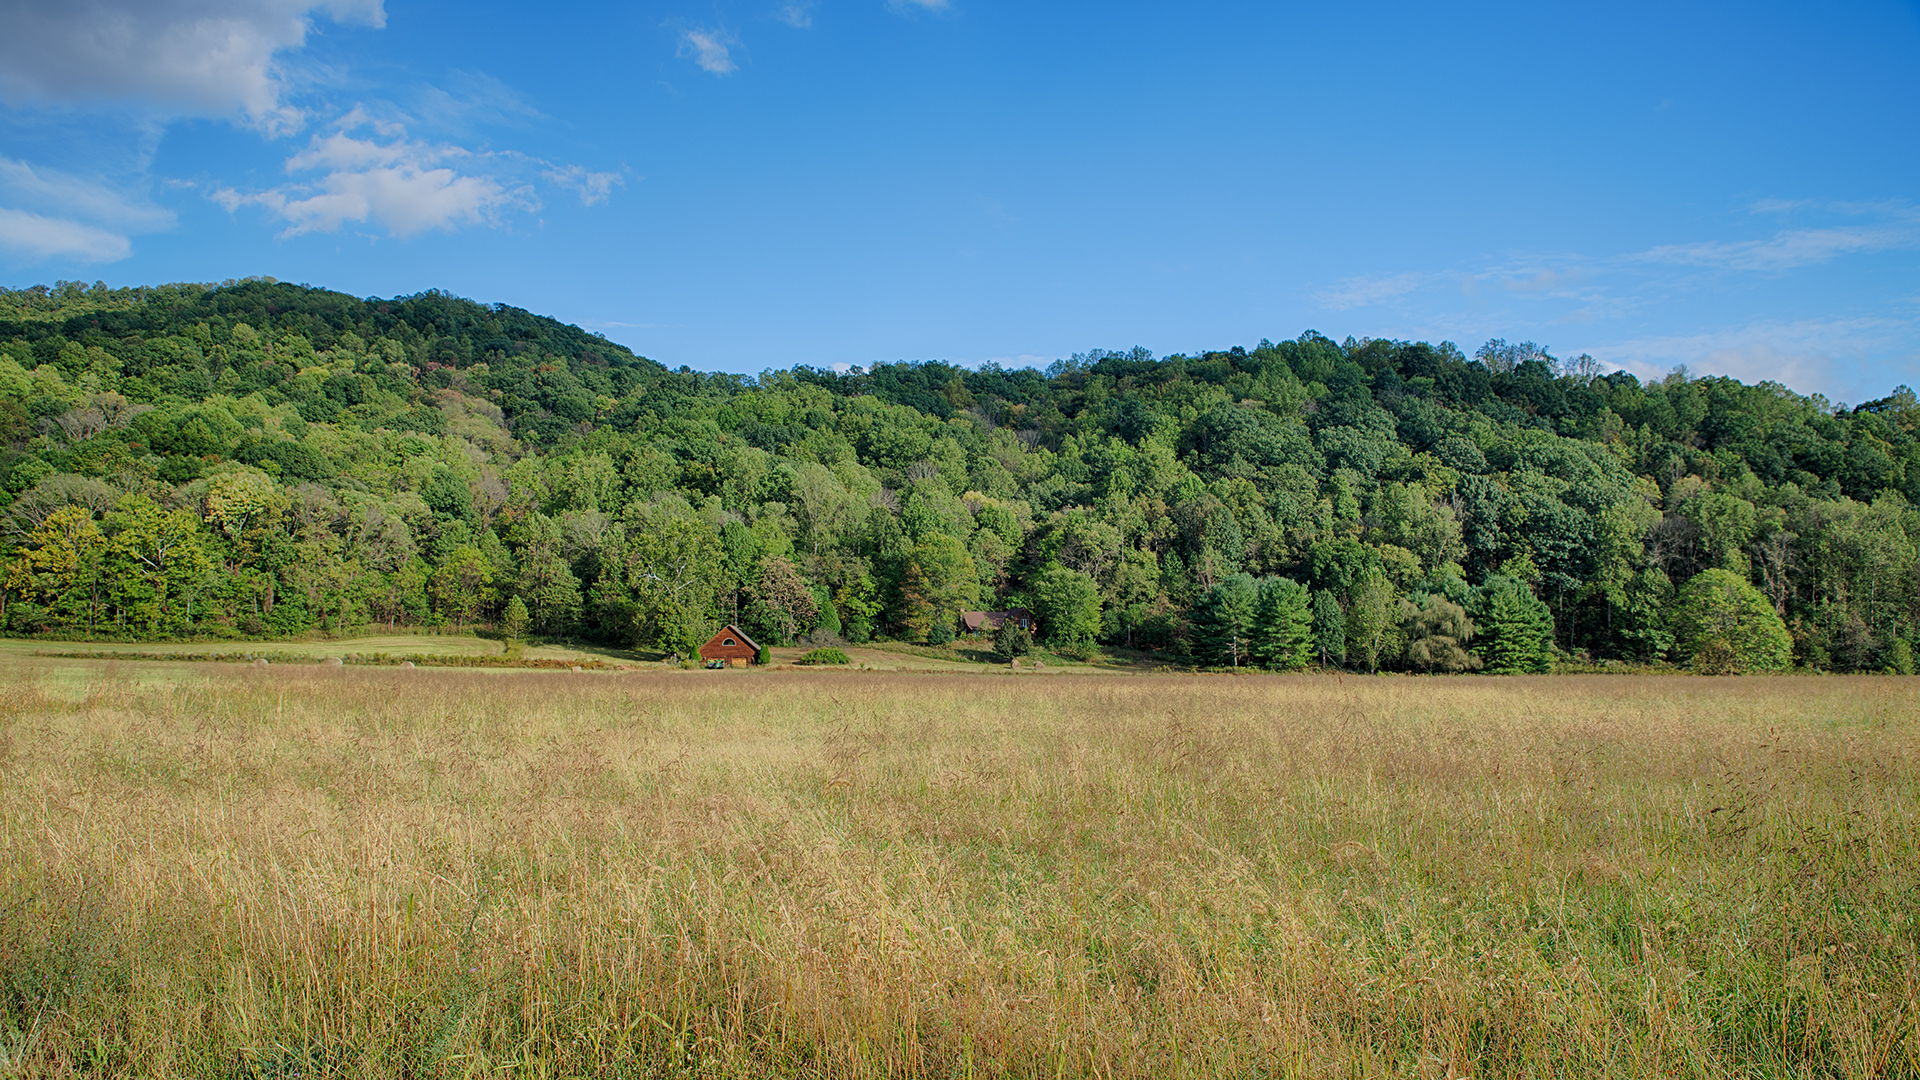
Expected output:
{"points": [[986, 622], [730, 647]]}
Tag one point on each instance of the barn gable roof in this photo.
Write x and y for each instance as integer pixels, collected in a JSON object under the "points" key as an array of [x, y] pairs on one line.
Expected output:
{"points": [[975, 621], [736, 632]]}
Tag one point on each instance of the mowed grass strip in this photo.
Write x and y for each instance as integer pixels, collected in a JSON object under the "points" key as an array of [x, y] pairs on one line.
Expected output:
{"points": [[306, 871]]}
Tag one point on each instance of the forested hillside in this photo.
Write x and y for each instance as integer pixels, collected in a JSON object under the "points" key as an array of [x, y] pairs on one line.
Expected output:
{"points": [[262, 459]]}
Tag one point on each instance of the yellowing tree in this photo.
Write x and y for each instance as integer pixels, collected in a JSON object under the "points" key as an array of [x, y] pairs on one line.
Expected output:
{"points": [[61, 569]]}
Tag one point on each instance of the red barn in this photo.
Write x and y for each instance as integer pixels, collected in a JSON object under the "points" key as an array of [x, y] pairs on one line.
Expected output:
{"points": [[730, 647]]}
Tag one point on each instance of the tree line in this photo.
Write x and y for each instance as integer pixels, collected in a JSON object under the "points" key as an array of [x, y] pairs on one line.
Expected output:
{"points": [[261, 459]]}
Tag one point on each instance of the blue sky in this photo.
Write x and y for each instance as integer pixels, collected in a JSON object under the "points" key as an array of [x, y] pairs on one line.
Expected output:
{"points": [[749, 185]]}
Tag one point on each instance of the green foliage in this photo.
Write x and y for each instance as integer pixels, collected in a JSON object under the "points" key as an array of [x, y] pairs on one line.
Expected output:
{"points": [[1329, 627], [1012, 639], [1373, 609], [764, 656], [936, 585], [1066, 604], [1225, 620], [1726, 626], [823, 656], [780, 604], [513, 622], [1283, 625], [1515, 628], [1437, 633], [1900, 657], [258, 458]]}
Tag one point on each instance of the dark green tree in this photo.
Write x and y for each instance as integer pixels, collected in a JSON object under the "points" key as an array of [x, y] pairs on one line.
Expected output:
{"points": [[1067, 605], [1329, 627], [1514, 626], [1012, 639], [1224, 623], [1283, 625]]}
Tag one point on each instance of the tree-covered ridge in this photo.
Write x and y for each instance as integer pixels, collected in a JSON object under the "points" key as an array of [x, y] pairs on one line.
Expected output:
{"points": [[262, 458]]}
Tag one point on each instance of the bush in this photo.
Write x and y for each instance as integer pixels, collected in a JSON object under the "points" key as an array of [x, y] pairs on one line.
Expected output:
{"points": [[1900, 657], [940, 633], [766, 656], [824, 656], [1012, 639]]}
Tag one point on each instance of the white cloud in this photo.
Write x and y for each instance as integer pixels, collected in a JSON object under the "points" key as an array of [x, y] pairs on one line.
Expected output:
{"points": [[472, 100], [211, 57], [88, 199], [709, 50], [404, 185], [1368, 289], [798, 16], [57, 214], [1803, 356], [1790, 248], [594, 188], [36, 236], [929, 5]]}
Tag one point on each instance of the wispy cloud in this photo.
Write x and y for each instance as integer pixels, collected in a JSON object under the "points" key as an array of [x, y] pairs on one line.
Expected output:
{"points": [[1802, 355], [593, 188], [1789, 248], [709, 49], [926, 5], [799, 16], [472, 100], [86, 198], [1368, 289], [36, 236], [55, 214]]}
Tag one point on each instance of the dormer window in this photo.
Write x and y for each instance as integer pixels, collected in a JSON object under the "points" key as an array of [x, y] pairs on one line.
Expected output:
{"points": [[729, 641]]}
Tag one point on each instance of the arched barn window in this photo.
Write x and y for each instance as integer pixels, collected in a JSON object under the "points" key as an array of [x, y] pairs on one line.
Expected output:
{"points": [[729, 641]]}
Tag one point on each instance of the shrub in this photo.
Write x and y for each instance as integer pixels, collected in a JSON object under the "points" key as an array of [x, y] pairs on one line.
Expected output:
{"points": [[824, 656], [1900, 657], [1012, 639]]}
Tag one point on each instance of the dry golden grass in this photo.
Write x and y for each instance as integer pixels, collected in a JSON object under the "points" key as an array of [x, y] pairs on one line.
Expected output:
{"points": [[306, 872]]}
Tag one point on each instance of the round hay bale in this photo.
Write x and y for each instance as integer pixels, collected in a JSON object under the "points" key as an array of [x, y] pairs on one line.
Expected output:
{"points": [[333, 661], [259, 661], [408, 664], [576, 671]]}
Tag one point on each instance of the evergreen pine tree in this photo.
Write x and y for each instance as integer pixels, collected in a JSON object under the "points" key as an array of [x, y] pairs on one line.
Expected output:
{"points": [[1514, 626], [1329, 627], [1223, 624], [1283, 625], [513, 624]]}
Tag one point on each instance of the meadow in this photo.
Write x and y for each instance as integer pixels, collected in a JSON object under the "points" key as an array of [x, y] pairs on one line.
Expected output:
{"points": [[312, 871]]}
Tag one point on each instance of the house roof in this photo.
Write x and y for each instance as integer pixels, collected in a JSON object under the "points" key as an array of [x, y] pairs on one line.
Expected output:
{"points": [[736, 632], [974, 620]]}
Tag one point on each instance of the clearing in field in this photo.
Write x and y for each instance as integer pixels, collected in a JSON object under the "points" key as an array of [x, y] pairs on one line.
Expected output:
{"points": [[370, 872]]}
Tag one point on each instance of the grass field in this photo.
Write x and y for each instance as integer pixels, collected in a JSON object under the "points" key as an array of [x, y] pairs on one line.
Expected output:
{"points": [[308, 871]]}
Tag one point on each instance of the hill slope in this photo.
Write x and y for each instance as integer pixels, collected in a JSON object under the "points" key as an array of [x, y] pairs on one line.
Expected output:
{"points": [[258, 458]]}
